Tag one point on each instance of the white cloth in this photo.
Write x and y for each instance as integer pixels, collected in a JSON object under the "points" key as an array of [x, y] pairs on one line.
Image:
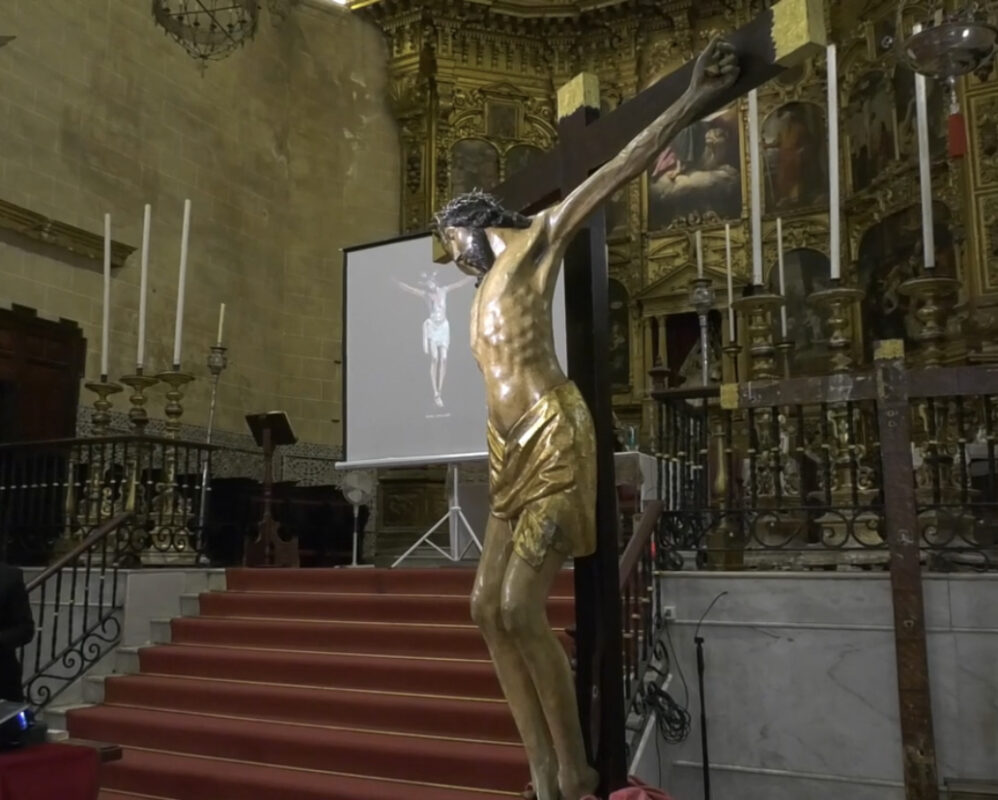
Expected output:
{"points": [[436, 334]]}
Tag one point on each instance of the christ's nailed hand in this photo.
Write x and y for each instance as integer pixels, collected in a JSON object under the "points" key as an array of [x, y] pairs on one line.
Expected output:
{"points": [[715, 70]]}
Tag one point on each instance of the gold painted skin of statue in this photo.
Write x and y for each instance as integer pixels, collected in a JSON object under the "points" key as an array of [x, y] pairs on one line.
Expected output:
{"points": [[541, 441]]}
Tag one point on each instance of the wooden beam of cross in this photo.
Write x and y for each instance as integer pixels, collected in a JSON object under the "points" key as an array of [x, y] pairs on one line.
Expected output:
{"points": [[783, 36]]}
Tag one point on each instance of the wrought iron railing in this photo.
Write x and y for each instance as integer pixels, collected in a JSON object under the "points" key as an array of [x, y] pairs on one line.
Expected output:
{"points": [[792, 474], [54, 494], [77, 605]]}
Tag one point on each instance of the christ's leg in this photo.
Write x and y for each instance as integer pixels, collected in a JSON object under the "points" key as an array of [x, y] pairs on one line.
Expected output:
{"points": [[441, 370], [434, 368], [510, 668], [524, 600]]}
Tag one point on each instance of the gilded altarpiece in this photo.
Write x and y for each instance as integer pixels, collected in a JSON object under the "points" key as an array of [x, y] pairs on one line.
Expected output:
{"points": [[473, 87]]}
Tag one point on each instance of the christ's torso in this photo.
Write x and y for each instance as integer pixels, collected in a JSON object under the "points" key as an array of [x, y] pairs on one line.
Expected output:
{"points": [[511, 331]]}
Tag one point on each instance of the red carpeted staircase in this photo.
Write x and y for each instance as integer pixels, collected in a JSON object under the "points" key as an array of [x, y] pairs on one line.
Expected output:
{"points": [[317, 685]]}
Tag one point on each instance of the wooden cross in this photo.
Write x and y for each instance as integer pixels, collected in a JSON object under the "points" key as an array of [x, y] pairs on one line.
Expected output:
{"points": [[782, 36]]}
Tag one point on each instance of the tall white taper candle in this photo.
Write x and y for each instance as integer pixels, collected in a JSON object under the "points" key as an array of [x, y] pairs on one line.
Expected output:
{"points": [[834, 233], [143, 284], [184, 238], [783, 280], [924, 170], [699, 239], [105, 338], [221, 322], [731, 286], [755, 177]]}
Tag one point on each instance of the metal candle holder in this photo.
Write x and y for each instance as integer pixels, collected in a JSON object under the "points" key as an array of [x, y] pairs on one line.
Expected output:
{"points": [[217, 362], [837, 302], [758, 309], [702, 299], [137, 414], [101, 416], [176, 380], [935, 294]]}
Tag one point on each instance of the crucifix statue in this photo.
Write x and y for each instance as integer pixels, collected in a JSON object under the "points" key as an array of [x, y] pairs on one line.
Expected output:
{"points": [[549, 438]]}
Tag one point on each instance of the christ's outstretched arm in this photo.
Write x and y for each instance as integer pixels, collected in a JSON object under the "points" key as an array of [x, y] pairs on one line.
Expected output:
{"points": [[715, 70], [458, 284], [405, 287]]}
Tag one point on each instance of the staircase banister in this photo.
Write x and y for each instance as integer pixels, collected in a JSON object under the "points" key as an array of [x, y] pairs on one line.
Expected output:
{"points": [[639, 541], [101, 531]]}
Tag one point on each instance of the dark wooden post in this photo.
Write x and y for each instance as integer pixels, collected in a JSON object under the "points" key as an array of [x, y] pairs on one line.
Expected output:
{"points": [[901, 519], [598, 637]]}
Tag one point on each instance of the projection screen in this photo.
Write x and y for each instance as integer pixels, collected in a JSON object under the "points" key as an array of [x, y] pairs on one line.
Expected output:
{"points": [[406, 334]]}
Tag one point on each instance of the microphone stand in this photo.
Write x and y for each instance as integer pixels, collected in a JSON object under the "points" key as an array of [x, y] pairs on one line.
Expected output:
{"points": [[701, 669]]}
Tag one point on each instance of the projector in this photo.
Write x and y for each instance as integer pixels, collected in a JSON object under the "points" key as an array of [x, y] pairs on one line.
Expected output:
{"points": [[18, 726]]}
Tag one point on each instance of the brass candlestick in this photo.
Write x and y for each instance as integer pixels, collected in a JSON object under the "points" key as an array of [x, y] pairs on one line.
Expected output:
{"points": [[101, 416], [837, 301], [731, 350], [786, 350], [934, 294], [176, 380], [137, 414], [759, 308]]}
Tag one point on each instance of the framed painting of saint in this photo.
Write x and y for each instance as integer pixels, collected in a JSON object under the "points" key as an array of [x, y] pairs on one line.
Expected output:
{"points": [[870, 125], [620, 336], [795, 158], [806, 271], [474, 164], [698, 175]]}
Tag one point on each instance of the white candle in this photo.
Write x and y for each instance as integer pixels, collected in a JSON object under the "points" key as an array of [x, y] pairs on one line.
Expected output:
{"points": [[143, 282], [221, 322], [105, 340], [699, 238], [184, 237], [833, 164], [783, 280], [756, 187], [924, 170], [731, 287]]}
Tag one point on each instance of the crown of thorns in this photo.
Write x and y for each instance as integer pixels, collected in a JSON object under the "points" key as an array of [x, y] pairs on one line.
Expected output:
{"points": [[477, 209]]}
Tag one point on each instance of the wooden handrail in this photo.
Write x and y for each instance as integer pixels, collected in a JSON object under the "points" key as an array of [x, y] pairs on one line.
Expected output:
{"points": [[98, 533], [640, 539]]}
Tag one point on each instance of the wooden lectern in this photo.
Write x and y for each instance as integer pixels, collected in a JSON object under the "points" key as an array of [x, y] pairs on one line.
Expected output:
{"points": [[268, 549]]}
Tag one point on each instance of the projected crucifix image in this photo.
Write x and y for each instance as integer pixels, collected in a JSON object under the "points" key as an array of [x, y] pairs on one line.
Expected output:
{"points": [[436, 328]]}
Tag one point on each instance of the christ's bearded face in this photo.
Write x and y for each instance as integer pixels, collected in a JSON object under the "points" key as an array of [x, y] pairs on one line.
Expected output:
{"points": [[469, 247]]}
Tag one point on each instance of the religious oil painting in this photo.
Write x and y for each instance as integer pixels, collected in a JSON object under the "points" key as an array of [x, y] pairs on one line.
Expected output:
{"points": [[805, 272], [502, 120], [520, 157], [620, 336], [870, 126], [890, 253], [698, 175], [795, 157], [474, 164], [905, 115]]}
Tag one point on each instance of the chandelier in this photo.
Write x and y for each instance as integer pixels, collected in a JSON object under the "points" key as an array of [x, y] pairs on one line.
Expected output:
{"points": [[945, 45], [209, 30]]}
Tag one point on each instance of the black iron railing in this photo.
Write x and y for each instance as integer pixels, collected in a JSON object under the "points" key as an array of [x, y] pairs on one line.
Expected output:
{"points": [[781, 477], [54, 494], [77, 605]]}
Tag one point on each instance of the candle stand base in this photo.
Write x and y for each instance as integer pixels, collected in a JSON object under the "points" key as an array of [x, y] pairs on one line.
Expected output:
{"points": [[935, 296], [101, 417], [837, 301], [137, 414], [731, 350], [174, 410], [759, 309]]}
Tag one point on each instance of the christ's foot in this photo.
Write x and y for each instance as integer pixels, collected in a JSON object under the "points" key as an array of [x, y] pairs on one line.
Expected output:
{"points": [[578, 785], [439, 401]]}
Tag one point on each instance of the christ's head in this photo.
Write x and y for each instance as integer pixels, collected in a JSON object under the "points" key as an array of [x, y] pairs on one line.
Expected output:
{"points": [[461, 227]]}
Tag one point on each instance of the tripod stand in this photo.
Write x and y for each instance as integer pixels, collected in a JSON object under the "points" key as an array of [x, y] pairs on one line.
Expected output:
{"points": [[456, 519]]}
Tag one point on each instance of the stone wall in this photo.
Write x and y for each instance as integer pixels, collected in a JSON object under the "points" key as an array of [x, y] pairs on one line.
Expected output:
{"points": [[801, 685], [286, 149]]}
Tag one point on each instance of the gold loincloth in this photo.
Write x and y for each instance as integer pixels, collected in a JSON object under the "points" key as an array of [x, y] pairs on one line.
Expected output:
{"points": [[542, 477]]}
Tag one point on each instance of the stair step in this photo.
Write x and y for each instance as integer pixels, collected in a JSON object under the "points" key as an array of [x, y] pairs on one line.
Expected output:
{"points": [[456, 641], [497, 766], [187, 778], [407, 713], [445, 580], [441, 609], [462, 678]]}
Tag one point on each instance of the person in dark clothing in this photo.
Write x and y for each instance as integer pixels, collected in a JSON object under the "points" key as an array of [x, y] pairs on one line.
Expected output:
{"points": [[17, 627]]}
